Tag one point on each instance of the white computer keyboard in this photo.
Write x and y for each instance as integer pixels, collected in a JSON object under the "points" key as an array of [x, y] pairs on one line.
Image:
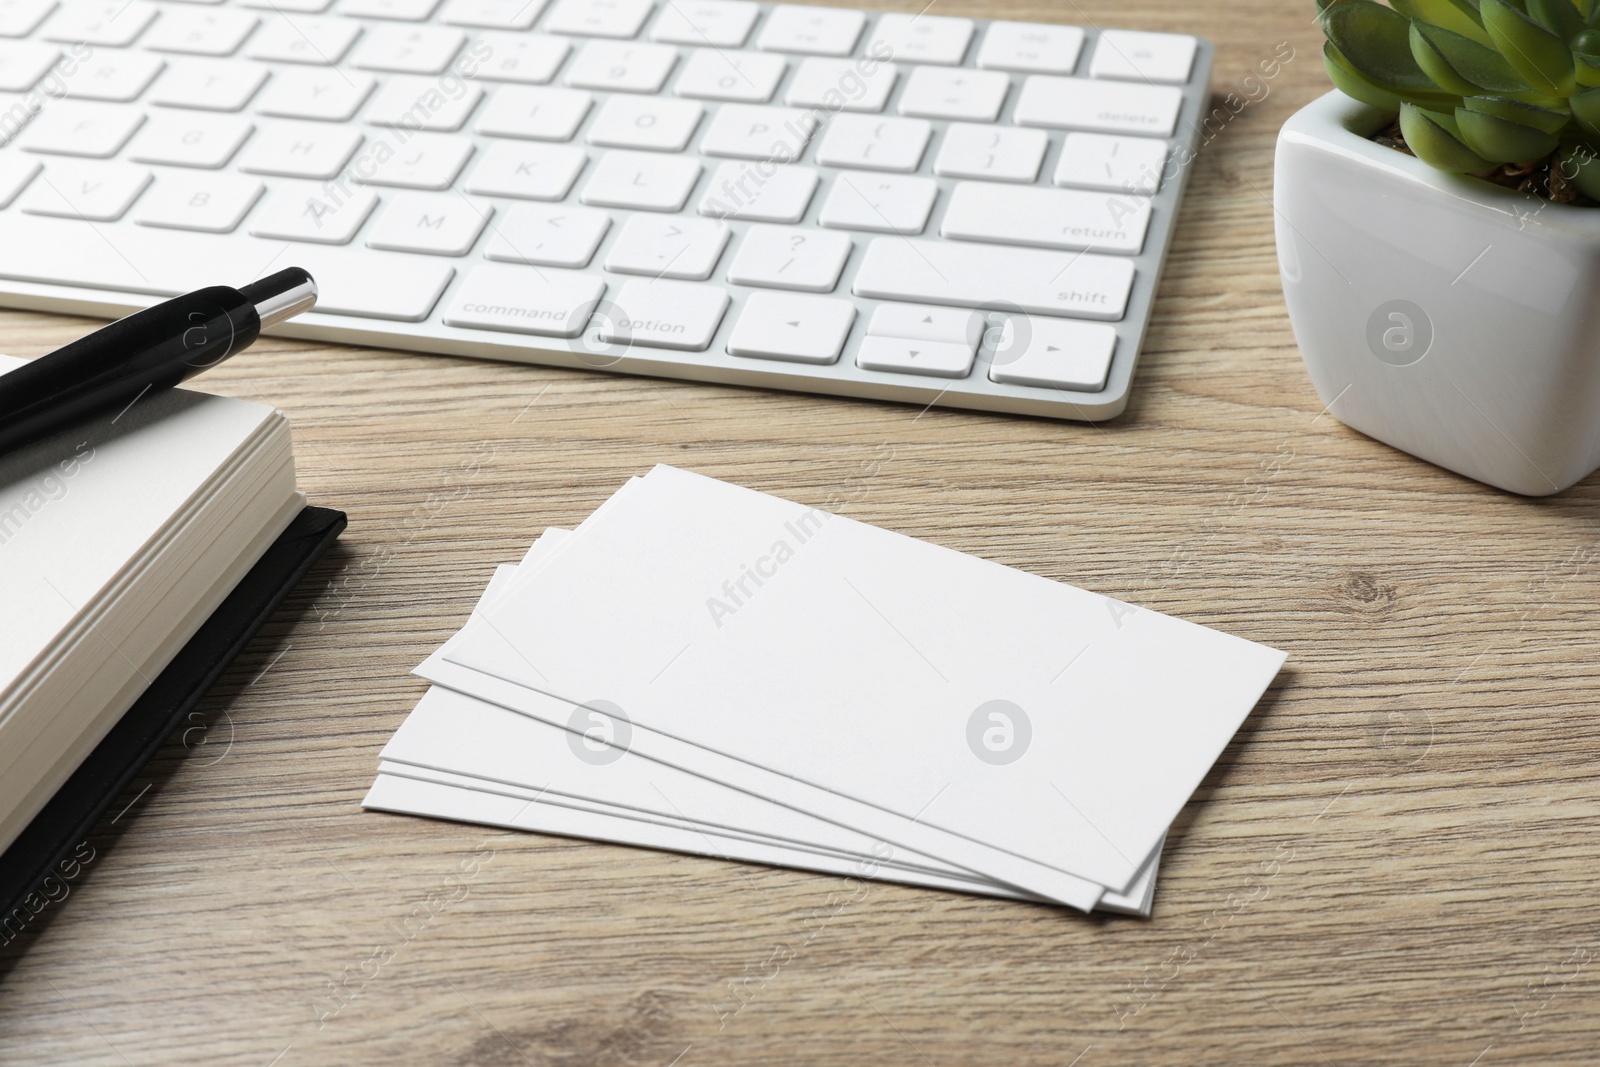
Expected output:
{"points": [[907, 207]]}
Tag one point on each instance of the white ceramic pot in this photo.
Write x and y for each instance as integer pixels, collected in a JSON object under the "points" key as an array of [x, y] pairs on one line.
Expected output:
{"points": [[1447, 317]]}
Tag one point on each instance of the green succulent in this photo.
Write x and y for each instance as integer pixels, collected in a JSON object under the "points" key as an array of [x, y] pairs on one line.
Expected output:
{"points": [[1477, 83]]}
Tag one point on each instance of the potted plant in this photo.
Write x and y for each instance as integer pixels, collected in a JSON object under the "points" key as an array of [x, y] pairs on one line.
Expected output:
{"points": [[1438, 228]]}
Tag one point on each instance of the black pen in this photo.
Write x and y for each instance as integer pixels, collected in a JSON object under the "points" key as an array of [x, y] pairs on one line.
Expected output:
{"points": [[150, 350]]}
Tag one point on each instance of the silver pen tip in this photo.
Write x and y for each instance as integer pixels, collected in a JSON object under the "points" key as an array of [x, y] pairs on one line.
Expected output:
{"points": [[281, 296]]}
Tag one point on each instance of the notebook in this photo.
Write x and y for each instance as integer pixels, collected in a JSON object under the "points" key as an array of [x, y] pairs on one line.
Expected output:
{"points": [[118, 539]]}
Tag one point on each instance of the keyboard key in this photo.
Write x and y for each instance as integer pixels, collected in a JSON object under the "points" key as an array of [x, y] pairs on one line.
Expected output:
{"points": [[196, 31], [547, 236], [111, 23], [687, 249], [1055, 354], [1113, 164], [23, 63], [598, 18], [529, 58], [938, 359], [1098, 106], [838, 85], [662, 314], [659, 123], [749, 191], [374, 285], [796, 329], [492, 14], [394, 10], [167, 262], [424, 161], [525, 300], [100, 192], [416, 103], [208, 84], [708, 23], [879, 203], [15, 174], [782, 257], [78, 128], [992, 153], [817, 31], [70, 251], [113, 75], [642, 181], [874, 143], [920, 322], [527, 171], [15, 114], [940, 93], [539, 114], [408, 49], [440, 224], [190, 139], [316, 93], [304, 39], [621, 67], [300, 150], [308, 7], [18, 18], [208, 203], [922, 38], [1029, 48], [1047, 218], [1079, 285], [744, 131], [748, 77], [1144, 57], [304, 211]]}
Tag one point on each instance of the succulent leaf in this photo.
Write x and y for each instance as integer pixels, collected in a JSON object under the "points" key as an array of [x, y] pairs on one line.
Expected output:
{"points": [[1501, 140], [1582, 166], [1549, 120], [1434, 137], [1461, 65], [1560, 17], [1457, 16], [1375, 42], [1537, 54], [1586, 110], [1348, 81]]}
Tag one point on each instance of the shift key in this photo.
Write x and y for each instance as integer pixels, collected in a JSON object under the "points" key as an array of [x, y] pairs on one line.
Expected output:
{"points": [[957, 274]]}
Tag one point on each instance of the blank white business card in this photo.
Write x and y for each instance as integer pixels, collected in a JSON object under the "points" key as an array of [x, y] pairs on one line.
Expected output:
{"points": [[999, 721]]}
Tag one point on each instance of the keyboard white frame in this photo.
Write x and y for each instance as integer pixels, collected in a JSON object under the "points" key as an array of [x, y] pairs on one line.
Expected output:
{"points": [[843, 378]]}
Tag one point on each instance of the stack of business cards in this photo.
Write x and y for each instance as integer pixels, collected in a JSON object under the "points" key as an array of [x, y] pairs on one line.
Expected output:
{"points": [[708, 669]]}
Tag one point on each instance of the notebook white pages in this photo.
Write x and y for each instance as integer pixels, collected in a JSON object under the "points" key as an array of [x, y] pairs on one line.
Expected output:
{"points": [[117, 540]]}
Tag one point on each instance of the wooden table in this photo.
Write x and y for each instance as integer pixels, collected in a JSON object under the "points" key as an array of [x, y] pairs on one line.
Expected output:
{"points": [[1393, 863]]}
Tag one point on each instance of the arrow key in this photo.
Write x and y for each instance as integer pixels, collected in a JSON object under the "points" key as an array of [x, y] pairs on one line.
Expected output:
{"points": [[923, 322], [938, 359], [1054, 353], [795, 329]]}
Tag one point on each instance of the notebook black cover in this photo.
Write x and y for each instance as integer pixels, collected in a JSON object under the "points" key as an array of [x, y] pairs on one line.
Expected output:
{"points": [[35, 870]]}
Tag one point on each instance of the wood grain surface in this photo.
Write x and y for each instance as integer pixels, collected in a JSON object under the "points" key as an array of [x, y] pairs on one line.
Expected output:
{"points": [[1394, 862]]}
